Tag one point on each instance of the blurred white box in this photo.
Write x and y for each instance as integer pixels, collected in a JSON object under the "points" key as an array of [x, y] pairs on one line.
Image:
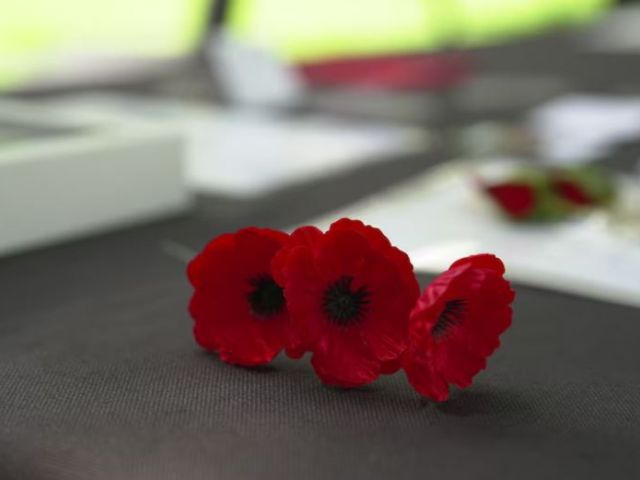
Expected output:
{"points": [[249, 153], [61, 177]]}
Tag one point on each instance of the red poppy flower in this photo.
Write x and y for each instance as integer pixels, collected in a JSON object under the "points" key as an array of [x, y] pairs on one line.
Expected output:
{"points": [[456, 324], [238, 309], [516, 199], [298, 339], [349, 294], [572, 192]]}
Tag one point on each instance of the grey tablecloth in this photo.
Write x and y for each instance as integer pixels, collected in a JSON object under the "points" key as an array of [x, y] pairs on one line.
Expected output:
{"points": [[100, 379]]}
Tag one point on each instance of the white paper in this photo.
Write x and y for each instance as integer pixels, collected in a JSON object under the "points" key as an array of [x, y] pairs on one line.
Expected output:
{"points": [[578, 128], [247, 154], [441, 217]]}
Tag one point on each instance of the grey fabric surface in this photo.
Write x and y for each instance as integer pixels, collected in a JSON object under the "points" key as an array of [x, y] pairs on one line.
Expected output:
{"points": [[100, 379]]}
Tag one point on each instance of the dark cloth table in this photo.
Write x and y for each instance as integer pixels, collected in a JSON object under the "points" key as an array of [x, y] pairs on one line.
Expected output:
{"points": [[101, 379]]}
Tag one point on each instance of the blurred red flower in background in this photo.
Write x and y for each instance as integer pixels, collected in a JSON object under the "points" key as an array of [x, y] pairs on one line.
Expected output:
{"points": [[456, 325], [239, 311], [572, 192], [517, 199]]}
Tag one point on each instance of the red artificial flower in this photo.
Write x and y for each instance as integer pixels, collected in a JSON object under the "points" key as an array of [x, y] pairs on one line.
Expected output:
{"points": [[516, 199], [456, 324], [238, 309], [298, 339], [572, 192], [349, 293]]}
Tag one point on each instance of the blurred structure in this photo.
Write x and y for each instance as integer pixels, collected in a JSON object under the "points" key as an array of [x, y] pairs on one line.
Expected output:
{"points": [[311, 91], [376, 45], [317, 30], [51, 42], [55, 41]]}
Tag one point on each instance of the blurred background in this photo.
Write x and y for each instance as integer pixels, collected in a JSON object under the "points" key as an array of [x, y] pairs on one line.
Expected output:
{"points": [[456, 126]]}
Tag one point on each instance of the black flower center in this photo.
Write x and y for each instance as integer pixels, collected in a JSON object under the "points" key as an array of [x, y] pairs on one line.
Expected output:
{"points": [[452, 315], [266, 297], [344, 305]]}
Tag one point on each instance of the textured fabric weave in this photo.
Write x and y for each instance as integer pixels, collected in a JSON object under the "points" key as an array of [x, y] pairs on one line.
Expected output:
{"points": [[100, 379]]}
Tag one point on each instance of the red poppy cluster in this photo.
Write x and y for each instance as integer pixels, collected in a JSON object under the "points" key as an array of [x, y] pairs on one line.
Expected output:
{"points": [[535, 194], [520, 200], [351, 299]]}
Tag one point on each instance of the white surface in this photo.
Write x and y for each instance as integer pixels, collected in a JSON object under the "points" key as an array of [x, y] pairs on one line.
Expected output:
{"points": [[441, 217], [578, 128], [247, 153], [59, 187]]}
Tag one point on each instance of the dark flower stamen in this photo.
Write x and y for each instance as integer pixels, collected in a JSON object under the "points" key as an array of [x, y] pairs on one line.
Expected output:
{"points": [[267, 297], [343, 305], [451, 316]]}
